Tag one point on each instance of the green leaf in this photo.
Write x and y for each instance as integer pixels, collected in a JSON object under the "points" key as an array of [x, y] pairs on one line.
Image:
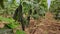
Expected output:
{"points": [[20, 32]]}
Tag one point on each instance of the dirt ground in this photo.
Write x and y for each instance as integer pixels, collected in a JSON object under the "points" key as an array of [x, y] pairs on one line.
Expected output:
{"points": [[46, 25]]}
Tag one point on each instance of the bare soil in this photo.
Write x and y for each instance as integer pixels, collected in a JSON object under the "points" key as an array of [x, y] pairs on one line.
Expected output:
{"points": [[46, 25]]}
